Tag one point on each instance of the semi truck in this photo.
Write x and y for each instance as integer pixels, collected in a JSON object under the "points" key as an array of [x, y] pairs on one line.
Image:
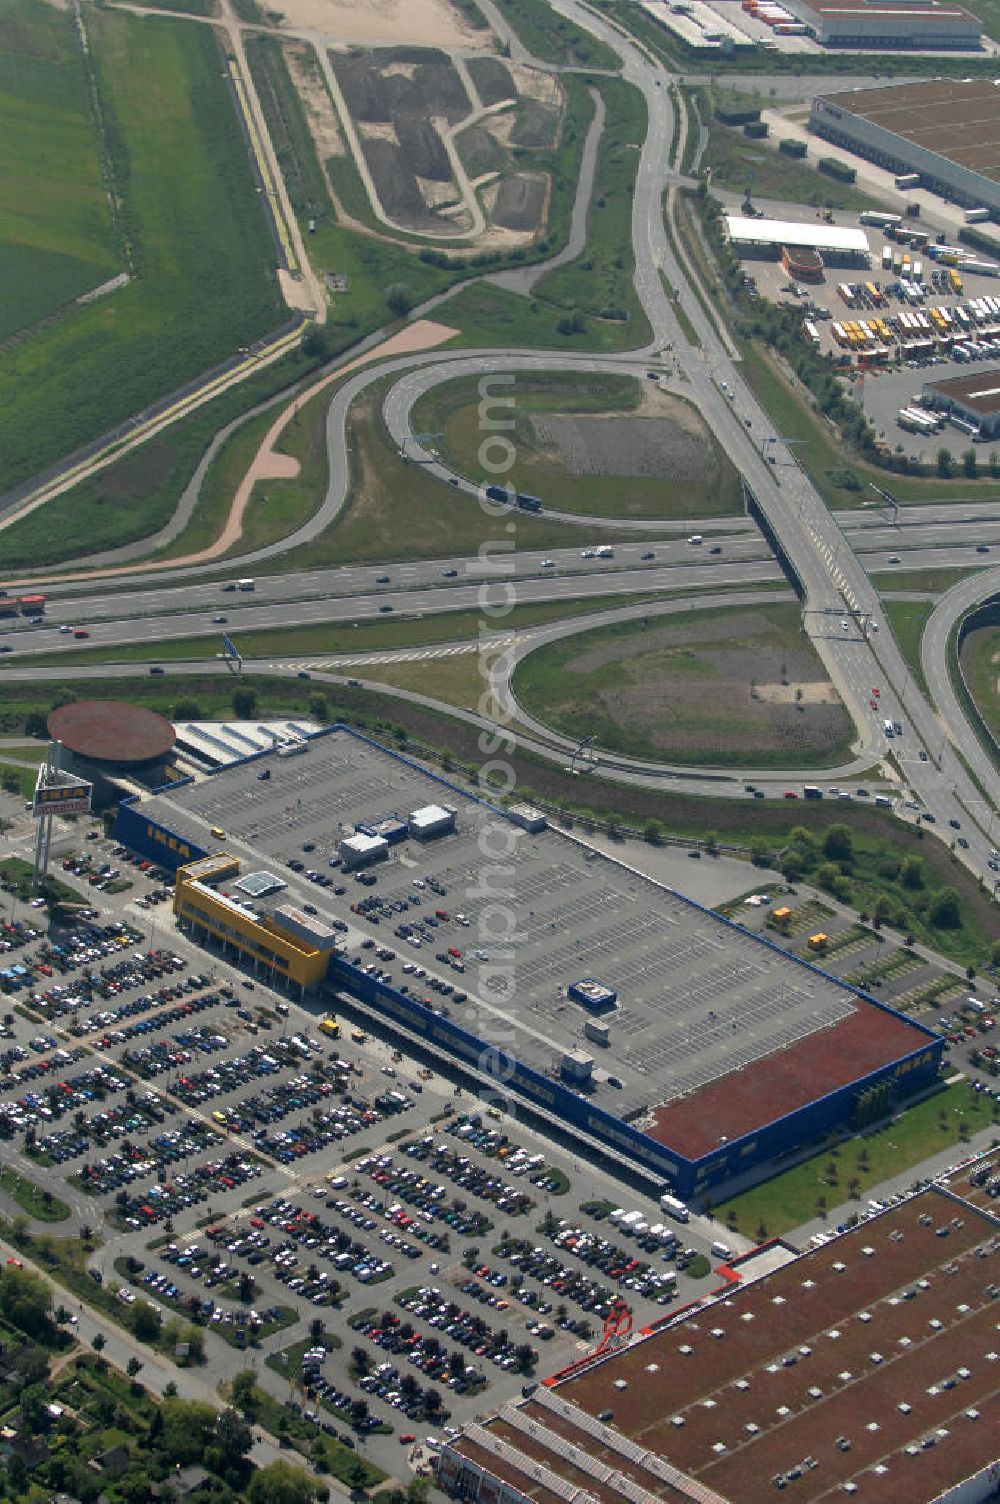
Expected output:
{"points": [[976, 216], [675, 1208]]}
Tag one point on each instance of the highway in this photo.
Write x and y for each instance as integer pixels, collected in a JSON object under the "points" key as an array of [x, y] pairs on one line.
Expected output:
{"points": [[831, 554]]}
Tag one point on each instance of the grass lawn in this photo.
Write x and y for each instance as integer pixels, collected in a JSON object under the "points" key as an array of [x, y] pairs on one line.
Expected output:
{"points": [[188, 208], [452, 411], [56, 236], [933, 581], [908, 620], [288, 1360], [32, 1198], [599, 282], [981, 666], [919, 1132], [724, 693], [492, 316]]}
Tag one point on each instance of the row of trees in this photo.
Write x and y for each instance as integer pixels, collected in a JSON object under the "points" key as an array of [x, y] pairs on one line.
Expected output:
{"points": [[831, 862]]}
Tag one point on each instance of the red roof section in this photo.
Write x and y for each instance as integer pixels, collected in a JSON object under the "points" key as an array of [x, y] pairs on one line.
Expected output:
{"points": [[757, 1094]]}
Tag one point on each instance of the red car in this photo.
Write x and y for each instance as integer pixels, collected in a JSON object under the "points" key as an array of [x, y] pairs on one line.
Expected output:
{"points": [[406, 1436]]}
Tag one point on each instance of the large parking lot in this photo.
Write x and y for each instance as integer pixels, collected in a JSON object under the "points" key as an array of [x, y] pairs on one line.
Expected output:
{"points": [[241, 1169]]}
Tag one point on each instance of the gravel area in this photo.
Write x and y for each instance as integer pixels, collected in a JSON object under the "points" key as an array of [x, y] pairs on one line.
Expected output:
{"points": [[479, 152], [589, 445]]}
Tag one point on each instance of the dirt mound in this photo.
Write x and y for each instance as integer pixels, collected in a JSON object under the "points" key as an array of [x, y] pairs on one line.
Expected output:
{"points": [[397, 186], [589, 445], [520, 201], [492, 80], [364, 91], [424, 149], [478, 151], [536, 124]]}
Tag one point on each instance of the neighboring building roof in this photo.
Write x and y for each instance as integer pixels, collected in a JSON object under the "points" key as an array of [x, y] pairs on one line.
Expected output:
{"points": [[817, 237], [980, 393], [955, 118], [111, 731], [870, 1361], [922, 10]]}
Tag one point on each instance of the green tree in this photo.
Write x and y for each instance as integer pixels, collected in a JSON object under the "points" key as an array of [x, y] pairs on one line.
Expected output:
{"points": [[399, 299], [25, 1300], [233, 1434], [944, 911], [133, 1367], [837, 844], [243, 1391], [281, 1483], [146, 1321], [969, 465], [245, 702], [188, 1427], [911, 872], [187, 710], [98, 1342], [944, 463], [319, 707]]}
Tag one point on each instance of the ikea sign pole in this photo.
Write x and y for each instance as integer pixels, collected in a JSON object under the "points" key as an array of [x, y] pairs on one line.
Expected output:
{"points": [[56, 793]]}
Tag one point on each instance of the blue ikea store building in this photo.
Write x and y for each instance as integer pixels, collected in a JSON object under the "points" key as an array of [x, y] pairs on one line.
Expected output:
{"points": [[501, 1075]]}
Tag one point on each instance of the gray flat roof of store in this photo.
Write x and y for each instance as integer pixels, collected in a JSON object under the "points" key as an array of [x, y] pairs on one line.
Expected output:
{"points": [[715, 1032], [956, 118]]}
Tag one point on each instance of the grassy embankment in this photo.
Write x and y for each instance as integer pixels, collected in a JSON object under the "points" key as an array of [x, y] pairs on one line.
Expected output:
{"points": [[848, 1171], [981, 666]]}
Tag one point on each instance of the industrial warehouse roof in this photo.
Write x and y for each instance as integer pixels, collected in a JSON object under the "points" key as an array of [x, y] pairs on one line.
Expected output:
{"points": [[980, 393], [818, 237], [868, 1366], [716, 1032], [956, 118]]}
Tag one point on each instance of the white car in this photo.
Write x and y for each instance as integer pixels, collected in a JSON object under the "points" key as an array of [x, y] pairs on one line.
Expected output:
{"points": [[548, 563], [589, 553]]}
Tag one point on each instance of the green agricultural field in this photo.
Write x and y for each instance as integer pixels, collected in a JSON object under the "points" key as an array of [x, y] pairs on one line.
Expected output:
{"points": [[137, 494], [56, 237], [205, 264], [743, 688], [617, 466], [981, 666]]}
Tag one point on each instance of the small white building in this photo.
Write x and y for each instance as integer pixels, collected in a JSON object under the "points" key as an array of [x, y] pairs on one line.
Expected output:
{"points": [[433, 820], [361, 850]]}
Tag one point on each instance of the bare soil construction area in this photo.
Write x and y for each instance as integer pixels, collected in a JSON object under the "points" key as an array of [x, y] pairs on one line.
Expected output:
{"points": [[689, 690], [428, 23]]}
